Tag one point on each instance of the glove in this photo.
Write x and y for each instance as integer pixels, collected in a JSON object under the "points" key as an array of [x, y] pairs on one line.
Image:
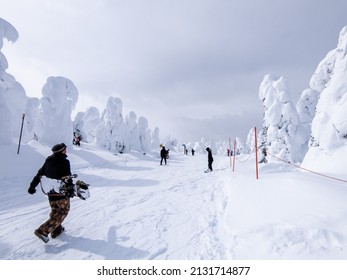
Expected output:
{"points": [[31, 190]]}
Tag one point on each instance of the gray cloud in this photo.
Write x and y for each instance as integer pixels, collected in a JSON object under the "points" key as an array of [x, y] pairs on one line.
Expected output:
{"points": [[193, 68]]}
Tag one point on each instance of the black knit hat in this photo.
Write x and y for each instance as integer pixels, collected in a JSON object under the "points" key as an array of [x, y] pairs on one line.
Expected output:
{"points": [[58, 148]]}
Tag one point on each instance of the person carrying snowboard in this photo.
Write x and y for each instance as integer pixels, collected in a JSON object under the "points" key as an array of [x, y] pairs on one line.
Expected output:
{"points": [[55, 168], [209, 159]]}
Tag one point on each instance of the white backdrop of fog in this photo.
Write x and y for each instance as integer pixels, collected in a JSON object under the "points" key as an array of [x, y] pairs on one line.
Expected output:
{"points": [[192, 68]]}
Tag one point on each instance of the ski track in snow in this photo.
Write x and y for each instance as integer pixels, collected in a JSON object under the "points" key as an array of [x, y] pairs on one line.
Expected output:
{"points": [[141, 210]]}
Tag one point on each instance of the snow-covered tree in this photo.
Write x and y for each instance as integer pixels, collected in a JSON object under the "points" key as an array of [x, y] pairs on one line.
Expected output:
{"points": [[144, 133], [221, 147], [307, 104], [54, 125], [262, 138], [132, 133], [285, 136], [155, 138], [329, 125], [12, 95], [78, 123], [250, 141], [5, 122], [240, 147], [172, 143], [110, 133], [322, 75], [32, 112], [86, 124], [306, 108]]}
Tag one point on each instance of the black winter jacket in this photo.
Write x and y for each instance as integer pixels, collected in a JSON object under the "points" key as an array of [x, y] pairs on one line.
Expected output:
{"points": [[209, 156], [163, 153], [56, 166]]}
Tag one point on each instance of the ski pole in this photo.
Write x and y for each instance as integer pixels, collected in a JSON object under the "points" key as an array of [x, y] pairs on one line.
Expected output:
{"points": [[20, 135]]}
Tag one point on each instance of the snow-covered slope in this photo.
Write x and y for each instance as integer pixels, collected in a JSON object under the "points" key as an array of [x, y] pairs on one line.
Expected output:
{"points": [[141, 210]]}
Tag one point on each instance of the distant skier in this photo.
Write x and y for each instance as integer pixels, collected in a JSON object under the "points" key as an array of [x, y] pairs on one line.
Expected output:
{"points": [[193, 152], [55, 167], [209, 159], [76, 139], [164, 155]]}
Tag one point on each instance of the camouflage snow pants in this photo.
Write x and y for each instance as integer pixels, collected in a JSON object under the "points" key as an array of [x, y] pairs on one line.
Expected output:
{"points": [[59, 210]]}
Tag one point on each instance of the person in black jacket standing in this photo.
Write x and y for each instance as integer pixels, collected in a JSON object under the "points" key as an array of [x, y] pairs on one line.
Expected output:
{"points": [[55, 167], [163, 155], [209, 159]]}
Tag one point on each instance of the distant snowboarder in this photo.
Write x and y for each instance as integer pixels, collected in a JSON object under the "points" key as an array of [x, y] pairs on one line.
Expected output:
{"points": [[209, 160], [164, 154], [76, 139]]}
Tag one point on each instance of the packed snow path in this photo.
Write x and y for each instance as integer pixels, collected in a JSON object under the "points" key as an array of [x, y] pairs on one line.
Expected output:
{"points": [[141, 210]]}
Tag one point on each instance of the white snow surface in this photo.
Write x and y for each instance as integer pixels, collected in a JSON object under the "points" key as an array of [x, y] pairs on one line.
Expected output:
{"points": [[139, 210]]}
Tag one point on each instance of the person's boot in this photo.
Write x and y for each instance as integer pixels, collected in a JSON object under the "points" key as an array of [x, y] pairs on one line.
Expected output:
{"points": [[40, 235], [58, 231]]}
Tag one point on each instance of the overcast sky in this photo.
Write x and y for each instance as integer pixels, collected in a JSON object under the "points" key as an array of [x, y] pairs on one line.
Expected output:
{"points": [[191, 67]]}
